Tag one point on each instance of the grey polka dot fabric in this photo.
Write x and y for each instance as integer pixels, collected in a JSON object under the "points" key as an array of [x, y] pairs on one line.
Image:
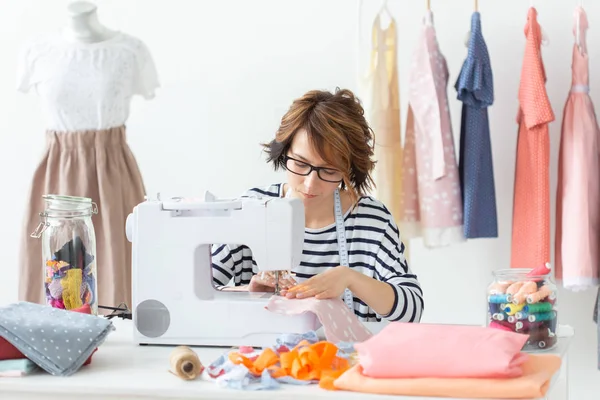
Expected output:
{"points": [[59, 341]]}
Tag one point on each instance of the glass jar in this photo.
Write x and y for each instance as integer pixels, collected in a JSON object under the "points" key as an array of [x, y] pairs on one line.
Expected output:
{"points": [[69, 252], [524, 303]]}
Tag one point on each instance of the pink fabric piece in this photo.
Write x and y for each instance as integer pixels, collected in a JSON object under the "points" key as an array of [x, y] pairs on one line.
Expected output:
{"points": [[339, 323], [246, 349], [496, 325], [431, 201], [406, 350], [12, 374], [577, 239]]}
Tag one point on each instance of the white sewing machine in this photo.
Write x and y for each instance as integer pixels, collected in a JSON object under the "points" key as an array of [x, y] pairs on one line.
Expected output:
{"points": [[174, 300]]}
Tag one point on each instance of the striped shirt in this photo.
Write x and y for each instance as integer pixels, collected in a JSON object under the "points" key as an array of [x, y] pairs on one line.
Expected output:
{"points": [[374, 249]]}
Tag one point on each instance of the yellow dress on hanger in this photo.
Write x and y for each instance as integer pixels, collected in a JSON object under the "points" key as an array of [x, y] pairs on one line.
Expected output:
{"points": [[383, 97]]}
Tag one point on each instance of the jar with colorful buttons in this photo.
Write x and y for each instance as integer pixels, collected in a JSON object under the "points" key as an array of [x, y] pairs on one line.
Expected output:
{"points": [[524, 301]]}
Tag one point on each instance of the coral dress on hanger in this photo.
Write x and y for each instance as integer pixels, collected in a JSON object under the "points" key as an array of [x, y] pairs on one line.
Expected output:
{"points": [[531, 204], [578, 190], [384, 115], [431, 199], [475, 87]]}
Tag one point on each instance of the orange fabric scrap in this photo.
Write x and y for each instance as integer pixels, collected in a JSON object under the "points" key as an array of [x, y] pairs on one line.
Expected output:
{"points": [[306, 362]]}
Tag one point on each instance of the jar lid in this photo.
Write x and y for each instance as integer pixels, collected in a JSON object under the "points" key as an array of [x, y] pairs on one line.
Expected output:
{"points": [[67, 203], [72, 199], [518, 273]]}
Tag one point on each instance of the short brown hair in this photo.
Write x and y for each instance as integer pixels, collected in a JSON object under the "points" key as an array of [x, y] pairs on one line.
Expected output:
{"points": [[338, 130]]}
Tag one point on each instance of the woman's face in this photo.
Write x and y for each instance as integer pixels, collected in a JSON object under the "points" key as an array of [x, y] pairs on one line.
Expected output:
{"points": [[311, 189]]}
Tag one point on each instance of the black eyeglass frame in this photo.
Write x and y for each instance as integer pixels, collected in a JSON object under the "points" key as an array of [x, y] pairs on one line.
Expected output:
{"points": [[311, 169]]}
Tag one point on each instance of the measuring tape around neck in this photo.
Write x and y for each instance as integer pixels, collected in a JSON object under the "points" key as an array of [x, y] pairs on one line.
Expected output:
{"points": [[341, 240], [342, 247]]}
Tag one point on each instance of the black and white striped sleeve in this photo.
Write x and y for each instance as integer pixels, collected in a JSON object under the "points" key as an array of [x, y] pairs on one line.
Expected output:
{"points": [[232, 262], [391, 267]]}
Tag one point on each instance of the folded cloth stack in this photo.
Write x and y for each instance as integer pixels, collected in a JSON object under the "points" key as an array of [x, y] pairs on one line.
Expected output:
{"points": [[293, 359], [58, 341], [448, 361], [9, 352]]}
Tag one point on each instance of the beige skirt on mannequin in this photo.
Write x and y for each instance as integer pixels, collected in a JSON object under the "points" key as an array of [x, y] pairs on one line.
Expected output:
{"points": [[101, 166]]}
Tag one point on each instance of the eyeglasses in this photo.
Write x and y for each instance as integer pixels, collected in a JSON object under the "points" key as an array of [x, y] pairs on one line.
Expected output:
{"points": [[301, 168]]}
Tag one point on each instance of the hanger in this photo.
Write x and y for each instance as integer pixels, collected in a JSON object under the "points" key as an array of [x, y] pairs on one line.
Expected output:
{"points": [[385, 10], [577, 29], [429, 17], [468, 36], [578, 25], [545, 39]]}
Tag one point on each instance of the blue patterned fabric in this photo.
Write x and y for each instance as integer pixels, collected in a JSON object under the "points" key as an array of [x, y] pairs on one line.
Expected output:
{"points": [[475, 88]]}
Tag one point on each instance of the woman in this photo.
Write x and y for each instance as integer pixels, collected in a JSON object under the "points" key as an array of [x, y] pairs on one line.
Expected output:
{"points": [[325, 144]]}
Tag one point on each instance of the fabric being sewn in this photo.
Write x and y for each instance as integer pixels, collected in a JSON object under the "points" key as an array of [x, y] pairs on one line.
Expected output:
{"points": [[339, 323]]}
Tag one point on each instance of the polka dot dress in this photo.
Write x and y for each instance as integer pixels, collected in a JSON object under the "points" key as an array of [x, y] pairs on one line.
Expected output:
{"points": [[59, 341], [531, 208], [431, 200], [475, 89]]}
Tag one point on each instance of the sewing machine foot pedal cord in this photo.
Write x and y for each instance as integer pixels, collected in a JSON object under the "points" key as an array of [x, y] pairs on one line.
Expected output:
{"points": [[121, 311]]}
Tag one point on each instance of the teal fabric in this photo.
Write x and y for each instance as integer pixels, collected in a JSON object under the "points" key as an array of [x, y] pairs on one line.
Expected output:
{"points": [[23, 365]]}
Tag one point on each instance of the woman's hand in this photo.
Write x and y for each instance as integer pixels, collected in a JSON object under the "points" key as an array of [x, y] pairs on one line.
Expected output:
{"points": [[327, 285], [266, 282]]}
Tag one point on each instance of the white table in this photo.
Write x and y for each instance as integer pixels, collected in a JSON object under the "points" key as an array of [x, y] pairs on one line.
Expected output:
{"points": [[121, 370]]}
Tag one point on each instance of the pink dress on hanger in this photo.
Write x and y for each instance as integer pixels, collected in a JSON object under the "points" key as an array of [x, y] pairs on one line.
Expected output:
{"points": [[431, 198], [578, 190], [531, 206]]}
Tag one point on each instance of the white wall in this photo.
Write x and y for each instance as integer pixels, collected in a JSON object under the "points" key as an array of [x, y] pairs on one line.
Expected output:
{"points": [[229, 69]]}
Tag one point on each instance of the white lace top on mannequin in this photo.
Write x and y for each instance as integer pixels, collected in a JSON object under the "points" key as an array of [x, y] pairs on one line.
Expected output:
{"points": [[87, 86]]}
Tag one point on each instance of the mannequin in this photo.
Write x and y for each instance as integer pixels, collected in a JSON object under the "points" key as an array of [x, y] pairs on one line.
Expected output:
{"points": [[86, 76], [83, 24]]}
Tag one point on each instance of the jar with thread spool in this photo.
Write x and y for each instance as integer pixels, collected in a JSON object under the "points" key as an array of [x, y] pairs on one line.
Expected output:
{"points": [[69, 252], [525, 301]]}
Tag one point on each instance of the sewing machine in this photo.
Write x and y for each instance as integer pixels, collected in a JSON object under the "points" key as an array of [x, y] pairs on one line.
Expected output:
{"points": [[174, 300]]}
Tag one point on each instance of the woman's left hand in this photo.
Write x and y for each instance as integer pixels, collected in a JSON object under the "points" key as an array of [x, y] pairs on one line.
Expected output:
{"points": [[327, 285]]}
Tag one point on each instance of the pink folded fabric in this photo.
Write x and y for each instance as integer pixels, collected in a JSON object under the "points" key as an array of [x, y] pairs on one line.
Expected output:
{"points": [[538, 371], [339, 323], [407, 350]]}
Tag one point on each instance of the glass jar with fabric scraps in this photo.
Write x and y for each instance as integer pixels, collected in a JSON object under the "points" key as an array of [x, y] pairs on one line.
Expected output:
{"points": [[69, 252], [524, 301]]}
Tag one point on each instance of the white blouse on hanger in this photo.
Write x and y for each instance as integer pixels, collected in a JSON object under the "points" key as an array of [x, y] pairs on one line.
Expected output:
{"points": [[87, 86]]}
